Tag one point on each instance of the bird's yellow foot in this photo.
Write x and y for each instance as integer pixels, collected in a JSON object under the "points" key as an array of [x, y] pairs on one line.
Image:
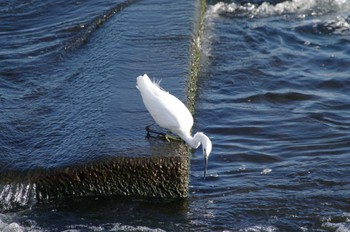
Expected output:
{"points": [[168, 138]]}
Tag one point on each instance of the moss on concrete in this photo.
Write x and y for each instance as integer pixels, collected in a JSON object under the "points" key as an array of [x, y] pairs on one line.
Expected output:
{"points": [[195, 57]]}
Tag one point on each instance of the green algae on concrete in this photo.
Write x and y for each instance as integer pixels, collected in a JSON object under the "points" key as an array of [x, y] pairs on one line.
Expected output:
{"points": [[195, 56]]}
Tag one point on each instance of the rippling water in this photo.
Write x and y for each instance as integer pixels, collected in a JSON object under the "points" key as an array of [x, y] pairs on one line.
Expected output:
{"points": [[64, 81], [275, 82], [273, 96], [41, 95]]}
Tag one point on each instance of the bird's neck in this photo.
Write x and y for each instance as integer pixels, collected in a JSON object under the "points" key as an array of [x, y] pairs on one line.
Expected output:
{"points": [[193, 142]]}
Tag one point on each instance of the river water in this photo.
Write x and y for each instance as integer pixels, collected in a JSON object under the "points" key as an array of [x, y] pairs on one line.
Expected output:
{"points": [[273, 96]]}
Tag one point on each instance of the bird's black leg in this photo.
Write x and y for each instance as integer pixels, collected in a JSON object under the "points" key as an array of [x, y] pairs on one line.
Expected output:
{"points": [[149, 131], [161, 135]]}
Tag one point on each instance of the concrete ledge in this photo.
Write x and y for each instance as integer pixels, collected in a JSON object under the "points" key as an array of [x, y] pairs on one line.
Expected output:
{"points": [[156, 177], [160, 174], [164, 177]]}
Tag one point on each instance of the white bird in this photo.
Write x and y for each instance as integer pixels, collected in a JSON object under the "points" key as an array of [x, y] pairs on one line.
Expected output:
{"points": [[170, 113]]}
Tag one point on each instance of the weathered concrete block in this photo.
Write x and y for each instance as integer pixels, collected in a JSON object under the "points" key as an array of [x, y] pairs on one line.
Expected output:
{"points": [[155, 176]]}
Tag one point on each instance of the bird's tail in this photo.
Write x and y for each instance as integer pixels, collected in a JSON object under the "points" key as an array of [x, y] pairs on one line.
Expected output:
{"points": [[143, 82]]}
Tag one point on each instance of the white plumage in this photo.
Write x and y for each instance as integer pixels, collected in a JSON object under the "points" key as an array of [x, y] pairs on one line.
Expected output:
{"points": [[170, 113]]}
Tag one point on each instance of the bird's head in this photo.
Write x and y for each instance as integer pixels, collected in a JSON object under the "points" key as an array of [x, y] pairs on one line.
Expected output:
{"points": [[206, 146]]}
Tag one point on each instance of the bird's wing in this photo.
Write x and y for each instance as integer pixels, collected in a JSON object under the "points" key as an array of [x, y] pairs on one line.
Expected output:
{"points": [[174, 114], [168, 111]]}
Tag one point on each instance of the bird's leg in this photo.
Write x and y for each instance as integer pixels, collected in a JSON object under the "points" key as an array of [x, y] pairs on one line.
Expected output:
{"points": [[164, 136], [149, 131]]}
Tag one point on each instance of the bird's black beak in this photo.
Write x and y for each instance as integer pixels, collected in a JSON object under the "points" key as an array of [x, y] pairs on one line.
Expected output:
{"points": [[205, 162]]}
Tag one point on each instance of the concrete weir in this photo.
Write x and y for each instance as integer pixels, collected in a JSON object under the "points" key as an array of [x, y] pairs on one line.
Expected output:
{"points": [[159, 171], [155, 176]]}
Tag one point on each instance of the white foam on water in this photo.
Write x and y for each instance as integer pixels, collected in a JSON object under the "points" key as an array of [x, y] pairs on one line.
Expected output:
{"points": [[339, 26], [266, 171], [338, 227], [6, 226], [340, 224], [331, 15], [259, 228], [111, 227], [14, 195], [312, 7], [120, 227]]}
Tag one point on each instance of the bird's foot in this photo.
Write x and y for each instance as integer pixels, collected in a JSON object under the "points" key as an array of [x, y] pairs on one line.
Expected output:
{"points": [[168, 138], [161, 135]]}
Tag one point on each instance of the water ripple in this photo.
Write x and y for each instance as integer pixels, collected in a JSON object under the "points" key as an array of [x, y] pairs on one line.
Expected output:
{"points": [[275, 104]]}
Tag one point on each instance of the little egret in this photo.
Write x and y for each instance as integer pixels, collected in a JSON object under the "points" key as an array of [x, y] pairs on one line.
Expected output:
{"points": [[170, 113]]}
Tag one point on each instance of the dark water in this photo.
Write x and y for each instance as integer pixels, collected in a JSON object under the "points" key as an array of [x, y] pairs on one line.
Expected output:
{"points": [[274, 98], [67, 69]]}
